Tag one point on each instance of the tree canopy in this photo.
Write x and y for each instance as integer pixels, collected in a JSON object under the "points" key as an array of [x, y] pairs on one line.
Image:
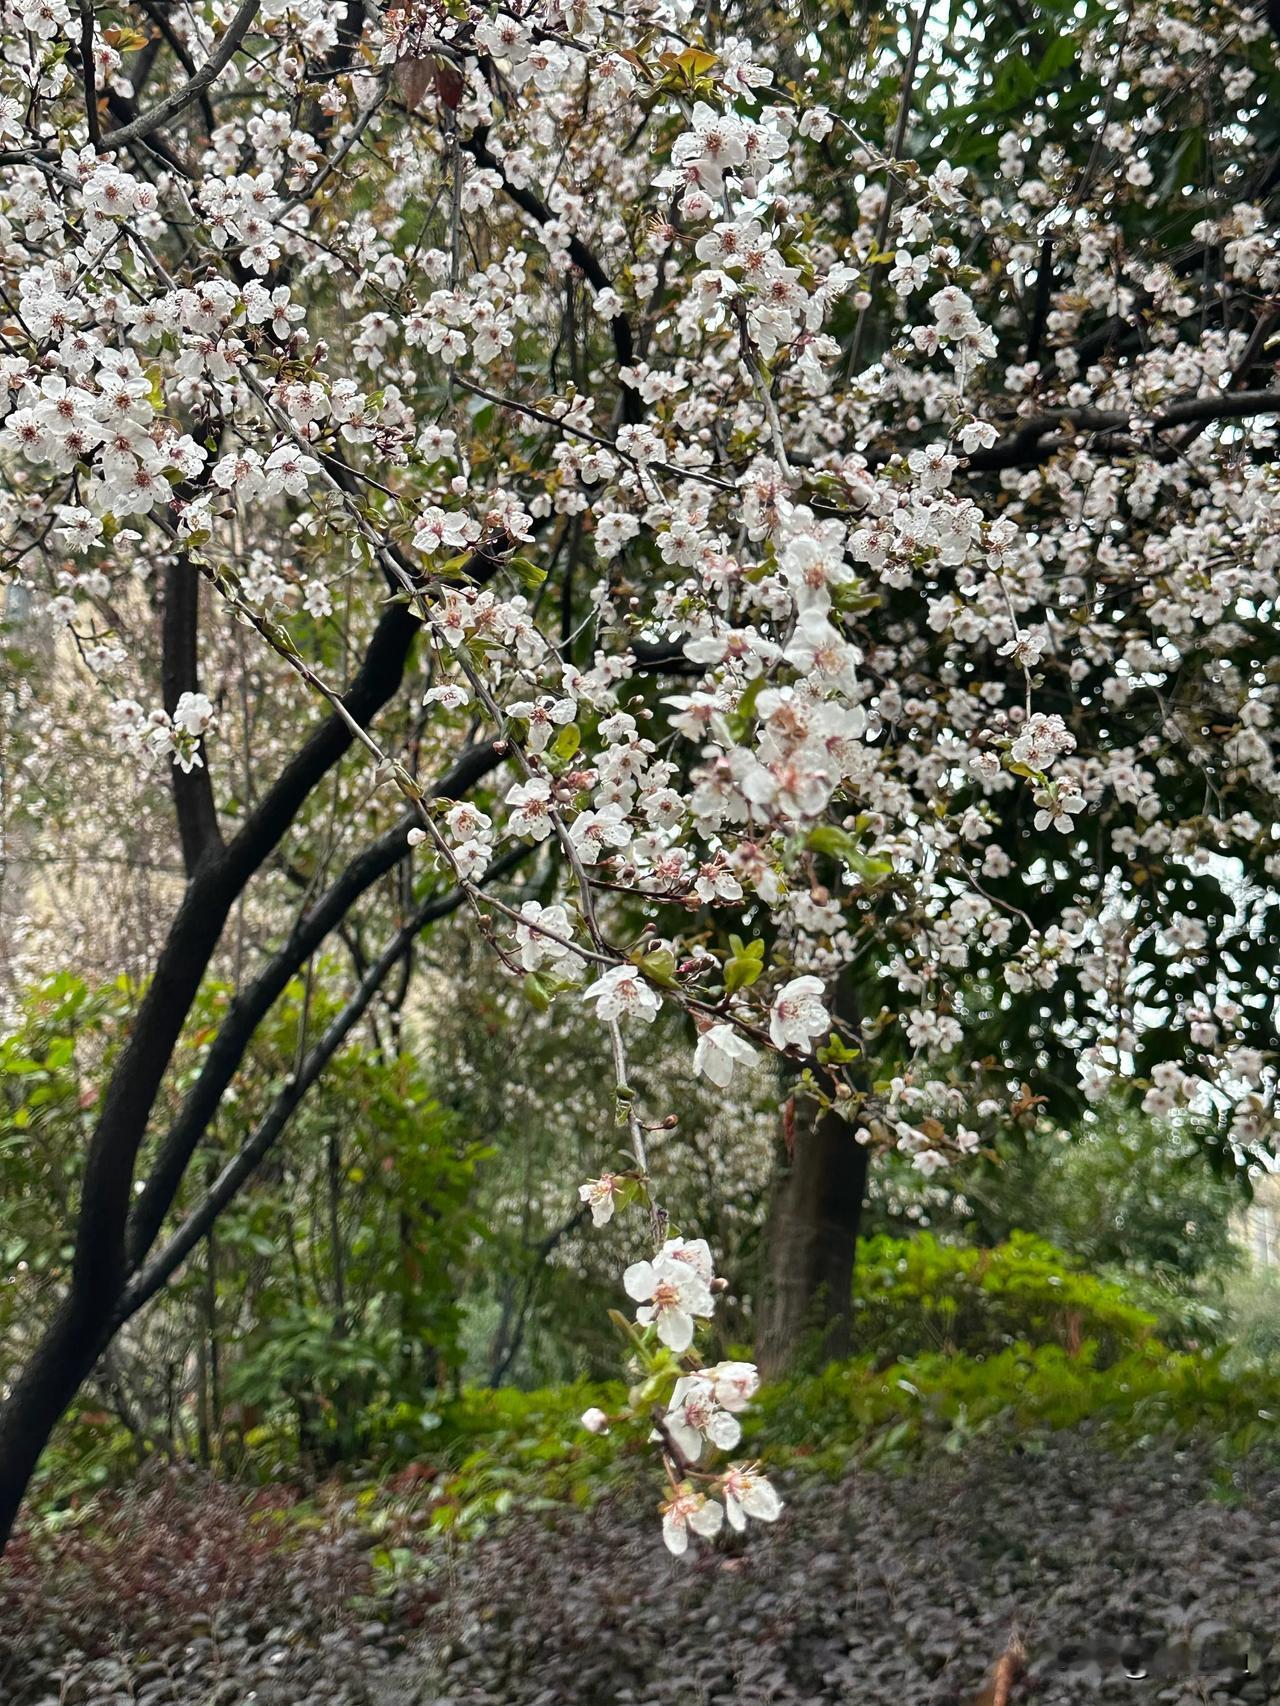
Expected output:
{"points": [[728, 501]]}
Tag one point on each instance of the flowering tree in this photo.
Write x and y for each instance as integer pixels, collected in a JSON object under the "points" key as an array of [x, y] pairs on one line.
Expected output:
{"points": [[809, 491]]}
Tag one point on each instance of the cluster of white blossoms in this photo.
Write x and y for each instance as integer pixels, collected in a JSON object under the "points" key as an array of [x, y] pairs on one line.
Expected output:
{"points": [[97, 412], [701, 1407], [158, 737], [673, 1290], [852, 568]]}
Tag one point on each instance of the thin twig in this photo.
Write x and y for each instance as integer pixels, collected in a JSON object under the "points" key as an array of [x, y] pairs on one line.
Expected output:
{"points": [[895, 152]]}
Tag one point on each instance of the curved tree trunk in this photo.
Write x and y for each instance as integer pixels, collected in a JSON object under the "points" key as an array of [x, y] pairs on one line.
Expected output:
{"points": [[121, 1215], [62, 1361]]}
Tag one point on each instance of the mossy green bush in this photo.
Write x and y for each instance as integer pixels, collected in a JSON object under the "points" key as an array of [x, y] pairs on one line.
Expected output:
{"points": [[855, 1410], [498, 1453], [915, 1295]]}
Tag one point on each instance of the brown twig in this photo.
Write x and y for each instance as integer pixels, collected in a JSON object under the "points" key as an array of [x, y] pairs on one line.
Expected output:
{"points": [[1009, 1670]]}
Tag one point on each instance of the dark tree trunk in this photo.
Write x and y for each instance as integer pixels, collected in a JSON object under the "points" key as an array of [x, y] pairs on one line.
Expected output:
{"points": [[810, 1241], [194, 806], [812, 1233], [62, 1361]]}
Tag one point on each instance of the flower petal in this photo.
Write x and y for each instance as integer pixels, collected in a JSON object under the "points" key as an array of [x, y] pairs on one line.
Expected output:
{"points": [[675, 1329], [707, 1519]]}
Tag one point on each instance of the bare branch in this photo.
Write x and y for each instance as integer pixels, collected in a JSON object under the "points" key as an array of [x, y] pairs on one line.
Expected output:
{"points": [[192, 90], [252, 1004], [155, 1274], [86, 72], [1042, 436], [895, 152]]}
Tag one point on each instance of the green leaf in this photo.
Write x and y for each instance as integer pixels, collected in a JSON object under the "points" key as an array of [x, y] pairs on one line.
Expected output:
{"points": [[659, 966], [869, 870], [694, 62], [834, 1052], [743, 969], [831, 841], [1060, 53], [837, 843], [528, 573], [567, 742], [741, 719]]}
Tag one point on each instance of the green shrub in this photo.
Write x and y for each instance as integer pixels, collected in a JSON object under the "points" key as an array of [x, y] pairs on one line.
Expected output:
{"points": [[855, 1411], [90, 1452], [914, 1295], [1152, 1197], [495, 1453], [1189, 1315]]}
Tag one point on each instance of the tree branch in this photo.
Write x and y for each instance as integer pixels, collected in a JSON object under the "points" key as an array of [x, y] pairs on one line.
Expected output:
{"points": [[193, 89], [1249, 356], [582, 257], [505, 1354], [376, 681], [1041, 436], [252, 1004], [86, 72], [179, 673], [142, 126], [98, 1269], [895, 153], [156, 10], [154, 1275], [1044, 296]]}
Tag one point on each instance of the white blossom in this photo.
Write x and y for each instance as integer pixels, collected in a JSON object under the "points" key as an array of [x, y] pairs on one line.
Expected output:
{"points": [[671, 1294], [719, 1050], [799, 1013]]}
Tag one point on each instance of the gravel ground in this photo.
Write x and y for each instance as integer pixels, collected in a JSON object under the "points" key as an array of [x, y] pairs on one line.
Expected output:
{"points": [[1124, 1579]]}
